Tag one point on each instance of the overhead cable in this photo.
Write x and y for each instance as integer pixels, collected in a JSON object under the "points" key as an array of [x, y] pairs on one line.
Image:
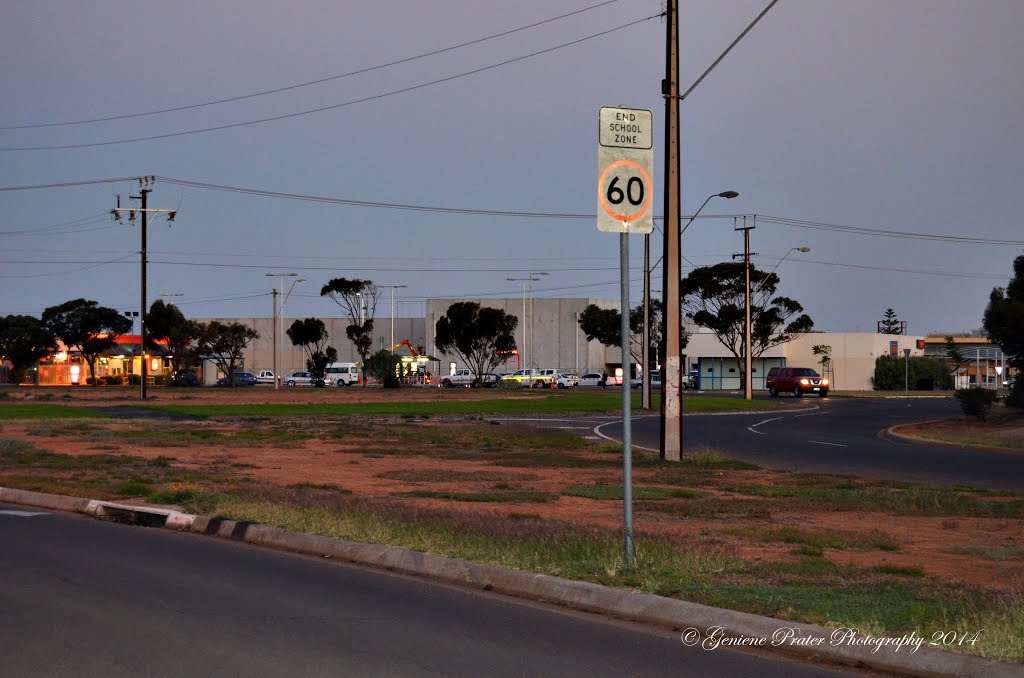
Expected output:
{"points": [[308, 83], [321, 109]]}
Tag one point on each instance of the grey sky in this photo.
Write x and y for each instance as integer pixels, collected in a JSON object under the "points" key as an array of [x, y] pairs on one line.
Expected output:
{"points": [[901, 115]]}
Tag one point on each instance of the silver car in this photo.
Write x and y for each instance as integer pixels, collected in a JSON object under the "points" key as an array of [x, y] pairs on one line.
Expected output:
{"points": [[299, 379]]}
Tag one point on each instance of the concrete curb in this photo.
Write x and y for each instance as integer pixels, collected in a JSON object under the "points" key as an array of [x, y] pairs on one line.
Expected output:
{"points": [[694, 619], [892, 433]]}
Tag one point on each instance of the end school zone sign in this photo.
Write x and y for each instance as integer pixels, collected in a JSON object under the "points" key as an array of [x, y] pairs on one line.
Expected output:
{"points": [[625, 159]]}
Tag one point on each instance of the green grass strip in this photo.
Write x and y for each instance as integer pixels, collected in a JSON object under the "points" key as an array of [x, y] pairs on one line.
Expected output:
{"points": [[533, 404], [48, 411]]}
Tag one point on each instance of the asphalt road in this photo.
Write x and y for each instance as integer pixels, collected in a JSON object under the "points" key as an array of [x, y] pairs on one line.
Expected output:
{"points": [[842, 436], [88, 598]]}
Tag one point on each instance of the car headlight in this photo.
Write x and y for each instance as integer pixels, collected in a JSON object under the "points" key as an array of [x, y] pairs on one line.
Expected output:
{"points": [[824, 382], [805, 382]]}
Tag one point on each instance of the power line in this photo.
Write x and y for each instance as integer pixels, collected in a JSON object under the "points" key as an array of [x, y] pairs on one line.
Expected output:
{"points": [[95, 264], [448, 269], [36, 230], [863, 230], [765, 218], [321, 109], [372, 204], [308, 83], [895, 269], [66, 184]]}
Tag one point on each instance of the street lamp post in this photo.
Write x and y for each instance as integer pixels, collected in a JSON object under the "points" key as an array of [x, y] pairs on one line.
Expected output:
{"points": [[747, 361], [803, 249], [527, 284], [748, 387], [393, 288], [279, 325], [532, 323], [671, 442]]}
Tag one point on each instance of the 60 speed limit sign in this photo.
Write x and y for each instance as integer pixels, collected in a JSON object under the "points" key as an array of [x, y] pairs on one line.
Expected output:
{"points": [[625, 161]]}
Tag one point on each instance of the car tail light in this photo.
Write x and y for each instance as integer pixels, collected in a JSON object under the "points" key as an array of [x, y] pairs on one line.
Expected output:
{"points": [[805, 382]]}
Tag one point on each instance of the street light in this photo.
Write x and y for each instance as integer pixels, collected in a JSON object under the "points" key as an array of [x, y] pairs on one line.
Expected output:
{"points": [[728, 195], [279, 322], [677, 340], [803, 249], [393, 288], [527, 282]]}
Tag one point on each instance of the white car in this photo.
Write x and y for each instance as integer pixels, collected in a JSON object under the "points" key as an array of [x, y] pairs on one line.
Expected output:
{"points": [[265, 377], [299, 379], [655, 381], [590, 379], [562, 379]]}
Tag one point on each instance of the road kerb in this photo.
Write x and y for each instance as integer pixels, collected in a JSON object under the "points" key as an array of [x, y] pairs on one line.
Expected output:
{"points": [[585, 596]]}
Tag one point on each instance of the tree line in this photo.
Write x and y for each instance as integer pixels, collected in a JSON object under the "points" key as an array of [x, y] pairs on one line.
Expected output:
{"points": [[713, 297]]}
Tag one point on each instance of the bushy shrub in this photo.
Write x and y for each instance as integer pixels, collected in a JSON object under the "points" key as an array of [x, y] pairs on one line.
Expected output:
{"points": [[976, 402], [894, 374], [386, 367], [1016, 397], [508, 385]]}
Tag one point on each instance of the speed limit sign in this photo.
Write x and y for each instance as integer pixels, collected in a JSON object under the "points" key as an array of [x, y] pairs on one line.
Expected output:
{"points": [[625, 160]]}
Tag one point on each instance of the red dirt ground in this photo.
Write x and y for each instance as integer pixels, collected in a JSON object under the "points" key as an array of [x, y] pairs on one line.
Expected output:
{"points": [[995, 557]]}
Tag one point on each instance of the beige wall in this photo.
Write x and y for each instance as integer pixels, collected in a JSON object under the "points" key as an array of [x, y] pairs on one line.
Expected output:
{"points": [[853, 354], [557, 341]]}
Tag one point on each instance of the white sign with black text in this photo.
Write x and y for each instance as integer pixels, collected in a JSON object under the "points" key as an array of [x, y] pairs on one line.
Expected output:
{"points": [[625, 166]]}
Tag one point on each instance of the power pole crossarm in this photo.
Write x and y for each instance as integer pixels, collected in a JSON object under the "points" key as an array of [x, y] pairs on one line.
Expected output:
{"points": [[145, 188]]}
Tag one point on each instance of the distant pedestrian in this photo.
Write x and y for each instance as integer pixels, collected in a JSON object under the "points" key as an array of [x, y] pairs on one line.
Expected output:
{"points": [[604, 380]]}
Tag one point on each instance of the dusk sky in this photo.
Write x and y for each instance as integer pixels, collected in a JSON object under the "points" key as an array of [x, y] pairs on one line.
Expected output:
{"points": [[835, 116]]}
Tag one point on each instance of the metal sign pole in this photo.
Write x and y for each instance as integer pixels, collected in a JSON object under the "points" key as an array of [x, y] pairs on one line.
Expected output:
{"points": [[627, 429]]}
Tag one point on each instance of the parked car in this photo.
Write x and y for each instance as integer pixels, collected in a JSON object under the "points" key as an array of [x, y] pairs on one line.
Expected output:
{"points": [[561, 378], [466, 377], [795, 380], [655, 381], [185, 378], [265, 377], [529, 378], [590, 379], [299, 379], [241, 379]]}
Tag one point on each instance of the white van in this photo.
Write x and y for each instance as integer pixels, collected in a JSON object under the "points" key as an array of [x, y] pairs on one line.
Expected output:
{"points": [[341, 374]]}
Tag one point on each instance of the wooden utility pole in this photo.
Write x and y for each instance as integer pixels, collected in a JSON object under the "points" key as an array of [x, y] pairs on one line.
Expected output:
{"points": [[671, 446], [145, 184]]}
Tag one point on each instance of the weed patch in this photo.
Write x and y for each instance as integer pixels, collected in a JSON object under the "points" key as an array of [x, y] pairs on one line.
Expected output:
{"points": [[615, 492], [503, 496]]}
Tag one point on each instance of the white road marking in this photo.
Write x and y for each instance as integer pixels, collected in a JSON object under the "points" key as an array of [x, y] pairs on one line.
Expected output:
{"points": [[752, 426], [597, 431], [22, 514], [821, 442]]}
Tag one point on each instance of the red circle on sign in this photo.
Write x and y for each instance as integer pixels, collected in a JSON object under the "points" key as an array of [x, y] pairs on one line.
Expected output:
{"points": [[601, 197]]}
